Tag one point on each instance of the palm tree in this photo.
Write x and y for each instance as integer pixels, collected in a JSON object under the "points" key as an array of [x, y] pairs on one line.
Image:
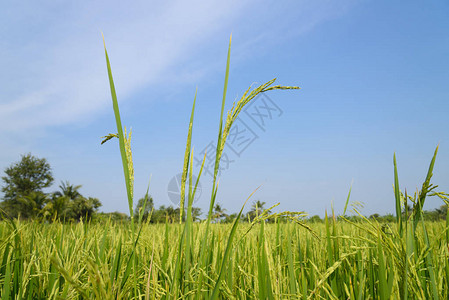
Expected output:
{"points": [[69, 190], [33, 204], [219, 212], [258, 206], [256, 209], [57, 207], [62, 204]]}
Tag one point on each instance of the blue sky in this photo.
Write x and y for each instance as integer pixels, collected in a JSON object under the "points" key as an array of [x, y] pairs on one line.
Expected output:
{"points": [[374, 78]]}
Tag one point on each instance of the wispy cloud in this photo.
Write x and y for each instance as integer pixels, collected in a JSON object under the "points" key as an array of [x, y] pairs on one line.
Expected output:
{"points": [[64, 78], [54, 62]]}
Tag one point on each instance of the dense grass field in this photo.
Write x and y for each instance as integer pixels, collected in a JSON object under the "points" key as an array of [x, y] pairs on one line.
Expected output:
{"points": [[272, 261]]}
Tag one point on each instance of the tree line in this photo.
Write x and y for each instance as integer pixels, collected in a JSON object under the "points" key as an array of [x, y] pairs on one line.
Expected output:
{"points": [[170, 214], [24, 198]]}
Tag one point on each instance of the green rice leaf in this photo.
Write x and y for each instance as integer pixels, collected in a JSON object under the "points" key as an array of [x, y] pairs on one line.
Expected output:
{"points": [[397, 196], [120, 133], [347, 200], [186, 160]]}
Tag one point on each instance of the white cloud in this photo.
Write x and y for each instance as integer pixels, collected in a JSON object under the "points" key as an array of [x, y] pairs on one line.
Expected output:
{"points": [[65, 77], [55, 61]]}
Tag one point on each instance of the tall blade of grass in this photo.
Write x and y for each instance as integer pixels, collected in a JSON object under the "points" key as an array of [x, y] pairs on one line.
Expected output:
{"points": [[426, 187], [125, 151], [189, 220], [202, 258], [120, 134], [397, 196], [188, 166], [186, 160], [347, 201], [220, 136], [383, 293], [220, 128], [188, 224], [228, 250], [408, 249]]}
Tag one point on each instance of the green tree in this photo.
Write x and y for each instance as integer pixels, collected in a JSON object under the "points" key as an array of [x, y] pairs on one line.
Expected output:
{"points": [[315, 219], [196, 213], [172, 214], [159, 215], [374, 216], [61, 205], [83, 209], [442, 211], [68, 204], [113, 216], [230, 218], [32, 205], [30, 174], [148, 208], [56, 208], [68, 190]]}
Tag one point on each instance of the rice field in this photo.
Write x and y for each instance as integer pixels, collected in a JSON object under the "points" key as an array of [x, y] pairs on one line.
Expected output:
{"points": [[276, 256], [271, 261]]}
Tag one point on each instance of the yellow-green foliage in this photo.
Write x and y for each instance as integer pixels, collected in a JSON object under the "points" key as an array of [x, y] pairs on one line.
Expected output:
{"points": [[281, 261]]}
